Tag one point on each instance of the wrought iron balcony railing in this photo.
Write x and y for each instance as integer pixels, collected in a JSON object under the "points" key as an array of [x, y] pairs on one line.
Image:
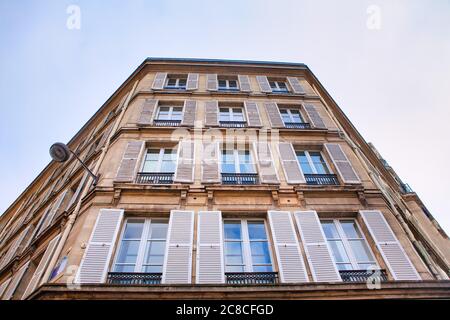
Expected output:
{"points": [[251, 277], [154, 177], [297, 125], [134, 278], [166, 123], [233, 124], [175, 87], [240, 178], [321, 179], [363, 275]]}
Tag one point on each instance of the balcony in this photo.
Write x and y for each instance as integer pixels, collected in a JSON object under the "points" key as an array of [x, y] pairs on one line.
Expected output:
{"points": [[233, 124], [134, 278], [363, 275], [166, 123], [240, 178], [154, 177], [321, 179], [297, 125], [244, 278]]}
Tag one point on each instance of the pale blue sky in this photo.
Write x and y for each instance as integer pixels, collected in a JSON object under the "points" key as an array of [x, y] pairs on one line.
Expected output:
{"points": [[393, 83]]}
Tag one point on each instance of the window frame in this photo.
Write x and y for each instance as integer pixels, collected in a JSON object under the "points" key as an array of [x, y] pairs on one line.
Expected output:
{"points": [[289, 111], [277, 86], [171, 107], [227, 87], [160, 159], [237, 163], [311, 163], [232, 114], [177, 83]]}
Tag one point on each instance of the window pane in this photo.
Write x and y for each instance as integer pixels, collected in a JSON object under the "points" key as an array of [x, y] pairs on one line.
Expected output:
{"points": [[168, 166], [256, 230], [177, 113], [233, 248], [296, 117], [304, 164], [319, 163], [182, 82], [156, 248], [234, 259], [222, 83], [158, 230], [338, 251], [350, 229], [330, 230], [360, 251], [150, 166], [228, 161], [232, 83], [344, 266], [262, 268], [282, 85], [245, 162], [152, 154], [163, 113], [234, 269], [273, 84], [232, 230], [128, 252], [224, 114], [260, 252], [238, 115], [133, 230], [171, 81], [124, 268], [153, 269]]}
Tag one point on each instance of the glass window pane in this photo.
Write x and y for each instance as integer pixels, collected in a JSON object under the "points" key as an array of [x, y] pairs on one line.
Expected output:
{"points": [[232, 83], [344, 266], [124, 268], [163, 113], [282, 85], [222, 83], [158, 230], [224, 114], [152, 154], [232, 230], [182, 82], [171, 81], [150, 166], [256, 230], [338, 251], [262, 268], [233, 248], [330, 230], [350, 229], [360, 251], [133, 229], [153, 269], [319, 163], [156, 248], [128, 252], [273, 84], [304, 164], [260, 252], [177, 113], [156, 259], [296, 117], [234, 269], [234, 259]]}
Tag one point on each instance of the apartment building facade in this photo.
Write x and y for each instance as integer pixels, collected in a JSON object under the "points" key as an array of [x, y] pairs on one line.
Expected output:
{"points": [[221, 179]]}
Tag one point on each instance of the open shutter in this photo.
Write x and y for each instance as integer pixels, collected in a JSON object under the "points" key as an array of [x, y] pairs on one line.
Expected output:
{"points": [[263, 83], [210, 264], [42, 266], [295, 85], [244, 83], [253, 118], [15, 280], [287, 249], [159, 81], [3, 287], [274, 115], [210, 162], [266, 167], [128, 166], [11, 253], [211, 82], [320, 259], [104, 137], [342, 164], [289, 162], [192, 81], [147, 111], [211, 113], [185, 163], [77, 191], [189, 112], [314, 117], [390, 248], [57, 205], [94, 265], [178, 258]]}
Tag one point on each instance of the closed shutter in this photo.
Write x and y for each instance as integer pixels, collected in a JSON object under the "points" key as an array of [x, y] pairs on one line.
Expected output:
{"points": [[274, 115], [42, 266], [192, 81], [128, 165], [3, 287], [342, 164], [289, 257], [185, 163], [320, 259], [390, 248], [94, 265], [263, 83], [189, 112], [15, 280], [211, 82], [159, 81], [210, 162], [11, 253], [210, 264], [314, 117], [267, 171], [178, 258], [148, 109], [104, 137], [253, 118], [289, 162], [211, 113], [295, 85], [244, 83], [307, 87]]}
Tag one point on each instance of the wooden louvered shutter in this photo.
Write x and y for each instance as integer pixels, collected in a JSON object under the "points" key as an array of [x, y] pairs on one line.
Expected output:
{"points": [[274, 115], [320, 259], [178, 258], [94, 265], [128, 166], [189, 112], [185, 162], [289, 257], [266, 166], [57, 205], [263, 83], [210, 162], [11, 253], [77, 191], [159, 81], [390, 248], [42, 266], [3, 287], [210, 261], [314, 117], [148, 109], [192, 81], [253, 118], [15, 280], [244, 83], [342, 164], [104, 137], [211, 113], [295, 85], [289, 162], [211, 82]]}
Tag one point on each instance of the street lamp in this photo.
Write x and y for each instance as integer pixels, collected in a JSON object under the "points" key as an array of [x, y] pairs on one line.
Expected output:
{"points": [[61, 153]]}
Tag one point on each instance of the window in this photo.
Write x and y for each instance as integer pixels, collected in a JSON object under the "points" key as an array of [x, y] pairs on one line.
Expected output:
{"points": [[347, 244], [312, 162], [170, 113], [176, 82], [278, 86], [142, 246], [228, 84], [291, 115], [237, 161], [227, 114], [246, 246], [159, 160]]}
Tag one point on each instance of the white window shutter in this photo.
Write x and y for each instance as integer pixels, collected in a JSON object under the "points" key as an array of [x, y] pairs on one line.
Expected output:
{"points": [[211, 113], [263, 83], [3, 287], [77, 191], [159, 81], [178, 258], [210, 162], [128, 166], [274, 115], [295, 85], [289, 257], [192, 81], [148, 109], [11, 253], [15, 280], [189, 112], [185, 162], [314, 116], [289, 162], [266, 166], [94, 265], [253, 118], [57, 205], [210, 260], [342, 164], [211, 82], [244, 83], [390, 248], [320, 258]]}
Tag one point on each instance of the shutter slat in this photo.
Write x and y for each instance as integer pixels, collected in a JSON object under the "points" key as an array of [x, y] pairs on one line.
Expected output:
{"points": [[11, 253], [128, 166], [295, 85], [189, 112], [148, 110], [244, 83], [342, 164], [159, 81], [3, 287], [289, 162], [185, 162], [274, 115], [192, 81], [15, 280], [211, 113], [253, 118], [264, 157], [314, 116], [210, 162], [263, 83], [211, 82]]}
